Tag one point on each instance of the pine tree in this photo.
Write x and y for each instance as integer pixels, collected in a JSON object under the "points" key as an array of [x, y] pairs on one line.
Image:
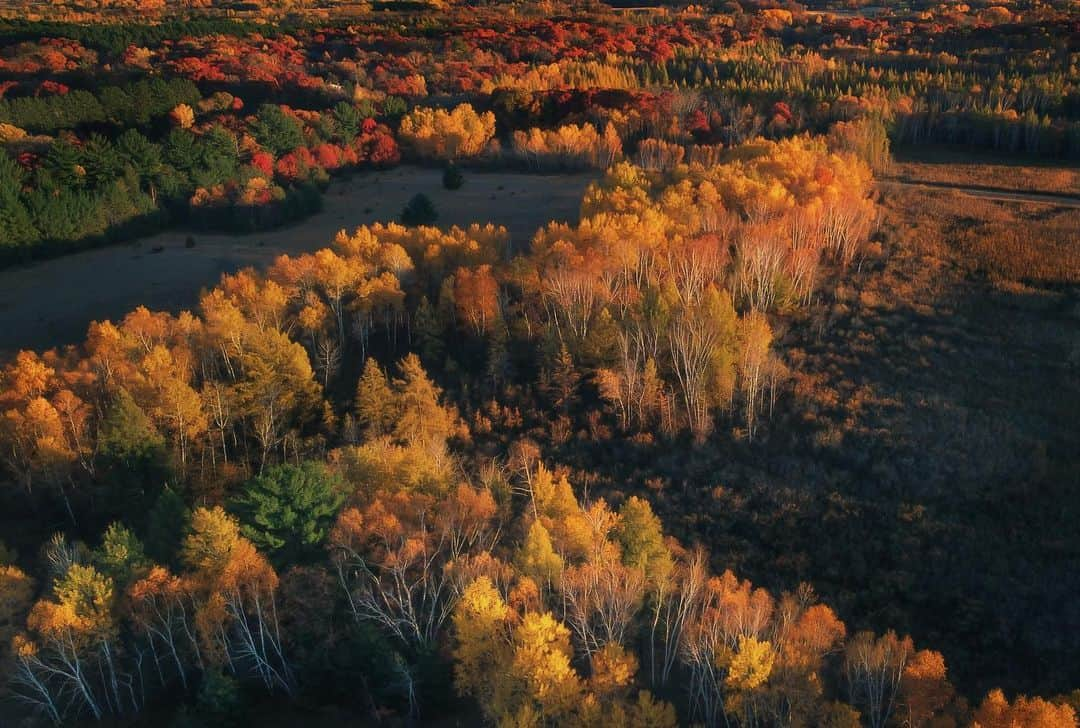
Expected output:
{"points": [[287, 511]]}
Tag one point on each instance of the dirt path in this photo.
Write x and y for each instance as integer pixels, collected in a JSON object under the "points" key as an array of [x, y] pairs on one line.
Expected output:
{"points": [[989, 193], [50, 303]]}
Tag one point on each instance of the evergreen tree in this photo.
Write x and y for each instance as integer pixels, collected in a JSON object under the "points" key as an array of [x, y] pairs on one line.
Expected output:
{"points": [[452, 178], [132, 456], [166, 524], [16, 228], [419, 211], [287, 511], [374, 400], [276, 131]]}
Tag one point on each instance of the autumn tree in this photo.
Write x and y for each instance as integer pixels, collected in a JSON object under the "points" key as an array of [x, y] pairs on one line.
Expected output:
{"points": [[874, 669], [924, 688], [234, 588], [451, 135], [996, 711]]}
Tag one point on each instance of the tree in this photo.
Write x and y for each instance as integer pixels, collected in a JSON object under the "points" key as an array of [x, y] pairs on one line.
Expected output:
{"points": [[182, 116], [537, 558], [476, 295], [375, 403], [212, 535], [750, 666], [278, 390], [131, 453], [996, 711], [867, 138], [641, 537], [233, 588], [452, 178], [550, 686], [874, 668], [421, 417], [348, 119], [121, 556], [924, 689], [16, 228], [482, 644], [441, 134], [276, 130], [68, 659], [167, 522], [420, 210], [16, 597], [755, 339], [394, 556], [702, 339], [288, 510]]}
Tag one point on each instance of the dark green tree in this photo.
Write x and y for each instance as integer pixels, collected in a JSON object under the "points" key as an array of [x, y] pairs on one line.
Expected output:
{"points": [[101, 162], [166, 525], [63, 164], [140, 154], [452, 178], [276, 131], [287, 511], [219, 158], [419, 211], [16, 228], [348, 120], [133, 460]]}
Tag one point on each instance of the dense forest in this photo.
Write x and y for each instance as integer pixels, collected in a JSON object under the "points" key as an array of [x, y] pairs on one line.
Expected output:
{"points": [[438, 474], [121, 129]]}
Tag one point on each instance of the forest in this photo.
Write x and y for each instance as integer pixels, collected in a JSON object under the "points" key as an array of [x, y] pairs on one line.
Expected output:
{"points": [[766, 436]]}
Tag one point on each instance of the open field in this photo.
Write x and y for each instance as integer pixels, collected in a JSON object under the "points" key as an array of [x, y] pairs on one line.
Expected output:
{"points": [[50, 303], [925, 473], [967, 168]]}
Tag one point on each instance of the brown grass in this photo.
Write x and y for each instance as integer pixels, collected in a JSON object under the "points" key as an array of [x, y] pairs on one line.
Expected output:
{"points": [[945, 165], [1031, 244]]}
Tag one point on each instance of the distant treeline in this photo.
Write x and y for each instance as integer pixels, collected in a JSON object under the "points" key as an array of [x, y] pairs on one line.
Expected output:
{"points": [[114, 38], [133, 104]]}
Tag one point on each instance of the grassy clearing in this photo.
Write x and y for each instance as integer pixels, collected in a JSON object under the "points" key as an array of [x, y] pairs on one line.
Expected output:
{"points": [[50, 303], [973, 168]]}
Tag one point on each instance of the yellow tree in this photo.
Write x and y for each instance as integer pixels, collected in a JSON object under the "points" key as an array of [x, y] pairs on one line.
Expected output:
{"points": [[924, 688], [421, 417], [550, 687], [234, 588], [537, 558], [176, 407], [277, 389], [445, 134], [67, 659], [16, 597], [482, 647]]}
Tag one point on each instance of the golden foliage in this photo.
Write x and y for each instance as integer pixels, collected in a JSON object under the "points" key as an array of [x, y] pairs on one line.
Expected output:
{"points": [[441, 134]]}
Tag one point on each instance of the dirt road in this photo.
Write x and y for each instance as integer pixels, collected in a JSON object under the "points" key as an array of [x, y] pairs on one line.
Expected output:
{"points": [[990, 193]]}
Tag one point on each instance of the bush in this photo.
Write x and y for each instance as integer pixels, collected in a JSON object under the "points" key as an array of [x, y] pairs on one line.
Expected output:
{"points": [[420, 211], [452, 179]]}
